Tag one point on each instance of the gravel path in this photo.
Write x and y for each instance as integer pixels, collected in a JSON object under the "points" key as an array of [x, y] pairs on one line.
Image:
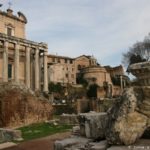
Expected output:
{"points": [[45, 143]]}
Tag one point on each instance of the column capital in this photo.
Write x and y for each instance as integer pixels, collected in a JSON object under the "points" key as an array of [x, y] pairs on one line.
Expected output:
{"points": [[17, 45], [37, 50], [5, 45], [45, 53], [28, 48]]}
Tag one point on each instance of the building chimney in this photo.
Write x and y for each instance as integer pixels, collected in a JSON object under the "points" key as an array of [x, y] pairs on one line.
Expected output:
{"points": [[9, 11]]}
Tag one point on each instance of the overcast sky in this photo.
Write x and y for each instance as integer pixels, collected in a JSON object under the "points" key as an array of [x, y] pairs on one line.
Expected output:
{"points": [[103, 28]]}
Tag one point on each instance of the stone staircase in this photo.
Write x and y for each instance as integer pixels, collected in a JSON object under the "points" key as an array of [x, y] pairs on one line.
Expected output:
{"points": [[76, 131]]}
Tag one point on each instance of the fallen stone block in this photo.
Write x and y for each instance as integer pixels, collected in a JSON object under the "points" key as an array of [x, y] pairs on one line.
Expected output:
{"points": [[69, 142], [102, 145], [7, 145], [76, 130], [126, 122], [120, 148], [92, 125], [141, 144], [10, 135]]}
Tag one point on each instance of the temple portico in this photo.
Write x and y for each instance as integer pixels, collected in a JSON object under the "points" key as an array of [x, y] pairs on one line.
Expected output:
{"points": [[23, 61]]}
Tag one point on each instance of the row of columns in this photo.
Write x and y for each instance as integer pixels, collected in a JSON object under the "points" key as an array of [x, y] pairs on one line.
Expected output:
{"points": [[27, 64]]}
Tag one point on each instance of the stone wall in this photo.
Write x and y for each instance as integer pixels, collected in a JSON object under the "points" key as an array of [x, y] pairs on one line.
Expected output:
{"points": [[97, 72], [8, 19], [19, 106], [83, 105], [61, 69]]}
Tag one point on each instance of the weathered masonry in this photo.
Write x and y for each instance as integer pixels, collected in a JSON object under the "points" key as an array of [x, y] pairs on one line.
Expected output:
{"points": [[21, 61]]}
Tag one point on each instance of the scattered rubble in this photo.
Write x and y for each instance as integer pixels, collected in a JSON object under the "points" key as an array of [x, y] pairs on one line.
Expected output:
{"points": [[126, 122], [71, 143], [123, 124]]}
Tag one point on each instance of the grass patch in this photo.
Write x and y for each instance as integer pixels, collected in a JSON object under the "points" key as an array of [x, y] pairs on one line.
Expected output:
{"points": [[41, 130]]}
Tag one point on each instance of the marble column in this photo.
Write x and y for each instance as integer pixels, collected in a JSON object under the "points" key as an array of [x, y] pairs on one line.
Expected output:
{"points": [[37, 80], [16, 63], [5, 62], [45, 73], [28, 67]]}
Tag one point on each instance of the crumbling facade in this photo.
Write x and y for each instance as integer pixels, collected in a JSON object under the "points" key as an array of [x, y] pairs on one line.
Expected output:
{"points": [[61, 69], [21, 61], [65, 70]]}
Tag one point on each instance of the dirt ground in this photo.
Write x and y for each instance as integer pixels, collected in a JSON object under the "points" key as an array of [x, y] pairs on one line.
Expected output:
{"points": [[45, 143]]}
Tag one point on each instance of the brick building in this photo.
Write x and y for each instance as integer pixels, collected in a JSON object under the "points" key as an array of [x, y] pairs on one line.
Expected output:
{"points": [[61, 69], [26, 62]]}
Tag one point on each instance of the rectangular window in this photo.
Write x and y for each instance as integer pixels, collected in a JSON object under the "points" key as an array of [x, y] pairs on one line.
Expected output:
{"points": [[53, 59], [66, 75], [58, 60], [72, 76], [9, 71], [9, 31], [70, 61], [65, 60]]}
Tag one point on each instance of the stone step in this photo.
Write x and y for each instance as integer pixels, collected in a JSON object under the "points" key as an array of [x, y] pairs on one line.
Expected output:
{"points": [[76, 130], [7, 145]]}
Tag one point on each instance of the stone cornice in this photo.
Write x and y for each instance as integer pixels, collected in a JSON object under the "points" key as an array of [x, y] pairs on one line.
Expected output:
{"points": [[14, 17], [23, 42], [141, 65]]}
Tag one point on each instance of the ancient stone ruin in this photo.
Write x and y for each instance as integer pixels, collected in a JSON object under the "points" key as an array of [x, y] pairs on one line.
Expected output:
{"points": [[123, 125], [20, 106]]}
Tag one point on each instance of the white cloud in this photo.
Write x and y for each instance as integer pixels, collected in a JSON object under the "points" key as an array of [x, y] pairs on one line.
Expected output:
{"points": [[101, 27]]}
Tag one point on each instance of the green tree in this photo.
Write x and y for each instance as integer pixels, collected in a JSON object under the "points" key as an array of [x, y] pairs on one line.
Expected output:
{"points": [[57, 88], [81, 80], [92, 91]]}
